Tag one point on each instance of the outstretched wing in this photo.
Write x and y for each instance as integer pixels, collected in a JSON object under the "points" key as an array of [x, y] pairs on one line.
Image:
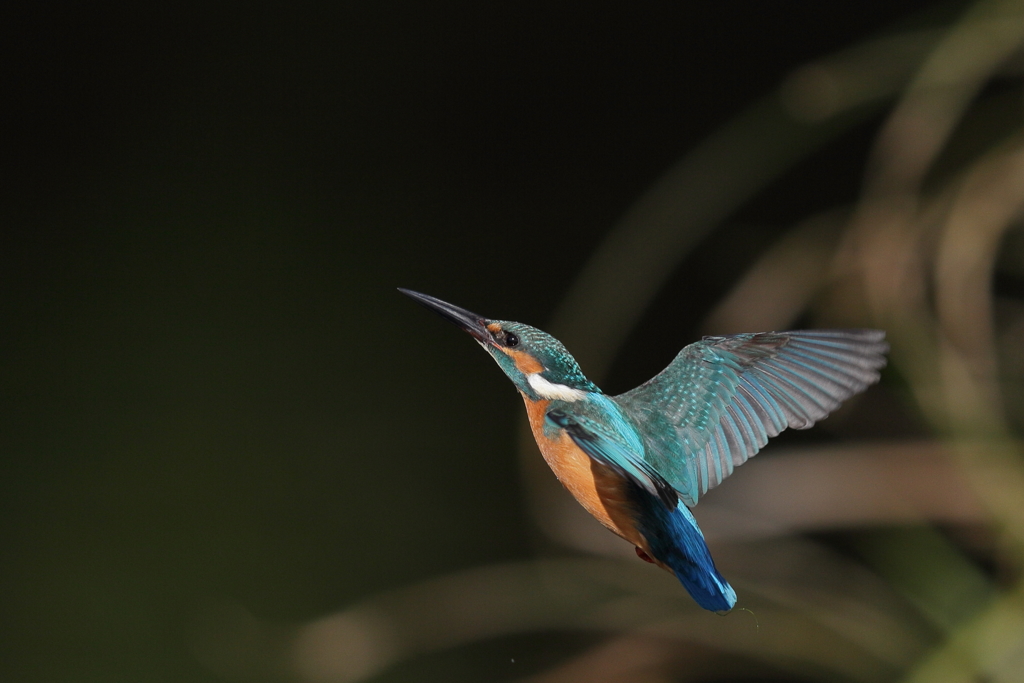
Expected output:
{"points": [[722, 398]]}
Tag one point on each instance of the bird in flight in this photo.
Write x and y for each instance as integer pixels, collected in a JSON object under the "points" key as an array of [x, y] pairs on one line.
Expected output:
{"points": [[640, 460]]}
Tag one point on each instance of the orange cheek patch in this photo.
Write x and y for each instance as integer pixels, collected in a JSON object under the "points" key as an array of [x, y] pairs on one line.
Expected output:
{"points": [[526, 363]]}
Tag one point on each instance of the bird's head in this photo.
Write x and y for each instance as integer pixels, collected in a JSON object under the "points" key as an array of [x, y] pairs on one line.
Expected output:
{"points": [[535, 361]]}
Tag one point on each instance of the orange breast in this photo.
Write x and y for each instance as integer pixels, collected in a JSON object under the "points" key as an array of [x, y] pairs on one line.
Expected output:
{"points": [[598, 488]]}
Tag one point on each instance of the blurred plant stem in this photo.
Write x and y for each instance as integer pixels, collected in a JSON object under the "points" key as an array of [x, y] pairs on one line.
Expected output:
{"points": [[985, 648], [948, 355], [946, 586], [915, 256]]}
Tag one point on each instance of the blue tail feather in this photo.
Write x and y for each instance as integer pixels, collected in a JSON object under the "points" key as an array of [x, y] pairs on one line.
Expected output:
{"points": [[676, 540], [692, 563]]}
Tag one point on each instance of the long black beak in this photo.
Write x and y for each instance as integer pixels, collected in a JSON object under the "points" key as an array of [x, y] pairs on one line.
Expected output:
{"points": [[470, 322]]}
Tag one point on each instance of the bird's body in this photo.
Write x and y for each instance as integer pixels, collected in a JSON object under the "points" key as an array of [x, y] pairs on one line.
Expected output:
{"points": [[598, 488], [638, 461]]}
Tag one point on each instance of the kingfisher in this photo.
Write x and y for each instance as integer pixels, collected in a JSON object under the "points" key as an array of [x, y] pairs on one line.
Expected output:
{"points": [[639, 461]]}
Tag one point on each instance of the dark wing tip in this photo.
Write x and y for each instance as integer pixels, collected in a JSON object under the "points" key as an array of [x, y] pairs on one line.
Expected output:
{"points": [[666, 494]]}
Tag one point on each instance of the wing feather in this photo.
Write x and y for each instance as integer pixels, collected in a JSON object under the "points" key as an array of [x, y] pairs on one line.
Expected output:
{"points": [[722, 398], [609, 449]]}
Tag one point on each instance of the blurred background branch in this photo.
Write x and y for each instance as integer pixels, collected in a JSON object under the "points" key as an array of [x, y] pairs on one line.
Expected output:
{"points": [[220, 432], [916, 256], [920, 257]]}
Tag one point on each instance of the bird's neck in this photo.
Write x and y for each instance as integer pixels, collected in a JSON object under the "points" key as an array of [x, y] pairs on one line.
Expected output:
{"points": [[560, 380], [554, 391]]}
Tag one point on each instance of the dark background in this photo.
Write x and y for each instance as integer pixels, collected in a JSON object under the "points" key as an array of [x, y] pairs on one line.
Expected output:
{"points": [[211, 390]]}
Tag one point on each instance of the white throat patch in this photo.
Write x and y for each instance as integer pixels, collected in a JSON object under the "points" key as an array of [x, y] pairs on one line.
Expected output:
{"points": [[552, 391]]}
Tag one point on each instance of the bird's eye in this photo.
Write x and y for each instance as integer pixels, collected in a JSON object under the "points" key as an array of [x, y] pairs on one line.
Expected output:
{"points": [[511, 340]]}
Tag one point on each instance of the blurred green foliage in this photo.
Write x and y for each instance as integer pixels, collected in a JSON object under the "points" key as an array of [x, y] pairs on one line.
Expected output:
{"points": [[232, 452]]}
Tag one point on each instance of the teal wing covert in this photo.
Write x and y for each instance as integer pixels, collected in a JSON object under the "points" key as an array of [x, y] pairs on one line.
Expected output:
{"points": [[722, 398]]}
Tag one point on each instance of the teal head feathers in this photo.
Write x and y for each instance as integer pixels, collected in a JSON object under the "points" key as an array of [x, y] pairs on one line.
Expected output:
{"points": [[536, 362]]}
